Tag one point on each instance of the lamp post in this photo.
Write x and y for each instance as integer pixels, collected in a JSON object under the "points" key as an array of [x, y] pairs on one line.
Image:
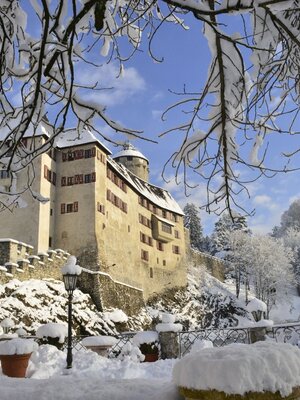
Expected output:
{"points": [[70, 273]]}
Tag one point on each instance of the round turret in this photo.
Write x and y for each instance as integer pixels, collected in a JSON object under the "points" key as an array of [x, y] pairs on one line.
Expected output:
{"points": [[133, 160]]}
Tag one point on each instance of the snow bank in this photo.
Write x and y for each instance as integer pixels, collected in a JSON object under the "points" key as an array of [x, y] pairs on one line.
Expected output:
{"points": [[145, 337], [18, 346], [53, 330], [116, 315], [199, 345], [241, 368], [256, 305], [70, 268], [99, 341]]}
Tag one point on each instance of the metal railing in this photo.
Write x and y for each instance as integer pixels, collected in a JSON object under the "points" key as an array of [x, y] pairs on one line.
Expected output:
{"points": [[219, 337], [287, 333]]}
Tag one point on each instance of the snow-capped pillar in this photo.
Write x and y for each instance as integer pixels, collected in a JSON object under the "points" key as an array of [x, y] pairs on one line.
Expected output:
{"points": [[258, 333], [168, 337]]}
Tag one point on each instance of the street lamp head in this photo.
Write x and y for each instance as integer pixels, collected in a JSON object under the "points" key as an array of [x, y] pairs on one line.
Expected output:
{"points": [[70, 281], [70, 273]]}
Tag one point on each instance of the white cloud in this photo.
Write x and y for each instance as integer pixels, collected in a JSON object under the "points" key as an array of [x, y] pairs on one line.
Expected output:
{"points": [[116, 88], [262, 200], [156, 114]]}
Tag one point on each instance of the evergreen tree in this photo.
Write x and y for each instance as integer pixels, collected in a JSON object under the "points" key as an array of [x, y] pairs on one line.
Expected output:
{"points": [[289, 219], [192, 221], [220, 242]]}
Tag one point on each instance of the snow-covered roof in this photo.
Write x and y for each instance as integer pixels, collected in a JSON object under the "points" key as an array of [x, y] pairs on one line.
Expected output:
{"points": [[71, 137], [43, 129], [158, 196], [129, 151]]}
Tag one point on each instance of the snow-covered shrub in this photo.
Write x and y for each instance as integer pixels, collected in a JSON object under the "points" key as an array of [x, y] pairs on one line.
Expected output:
{"points": [[7, 324], [147, 341], [52, 333], [131, 352]]}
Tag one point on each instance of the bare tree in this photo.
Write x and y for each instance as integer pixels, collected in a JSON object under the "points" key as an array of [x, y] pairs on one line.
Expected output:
{"points": [[252, 82]]}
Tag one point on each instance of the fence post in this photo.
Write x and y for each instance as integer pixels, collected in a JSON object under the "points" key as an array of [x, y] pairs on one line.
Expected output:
{"points": [[169, 345], [257, 334]]}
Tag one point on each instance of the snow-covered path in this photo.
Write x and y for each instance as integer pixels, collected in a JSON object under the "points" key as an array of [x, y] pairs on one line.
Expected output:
{"points": [[92, 377], [87, 388]]}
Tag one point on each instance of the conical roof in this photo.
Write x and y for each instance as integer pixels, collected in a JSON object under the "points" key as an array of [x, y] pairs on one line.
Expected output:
{"points": [[129, 151]]}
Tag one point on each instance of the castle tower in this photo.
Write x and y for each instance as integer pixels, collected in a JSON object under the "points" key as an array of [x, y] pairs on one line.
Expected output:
{"points": [[134, 161]]}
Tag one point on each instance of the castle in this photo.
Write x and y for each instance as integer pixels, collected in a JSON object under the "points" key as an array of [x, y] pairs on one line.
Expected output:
{"points": [[102, 209]]}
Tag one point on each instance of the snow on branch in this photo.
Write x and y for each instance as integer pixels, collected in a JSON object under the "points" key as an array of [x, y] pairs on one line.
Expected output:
{"points": [[250, 95]]}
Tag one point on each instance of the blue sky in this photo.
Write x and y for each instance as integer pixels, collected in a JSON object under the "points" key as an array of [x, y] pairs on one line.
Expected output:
{"points": [[138, 99]]}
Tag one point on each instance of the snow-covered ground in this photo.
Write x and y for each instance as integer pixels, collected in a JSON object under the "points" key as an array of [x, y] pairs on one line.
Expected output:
{"points": [[92, 377]]}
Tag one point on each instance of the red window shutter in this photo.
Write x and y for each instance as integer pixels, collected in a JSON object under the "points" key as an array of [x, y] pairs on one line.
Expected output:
{"points": [[63, 208], [93, 152], [76, 206], [93, 176]]}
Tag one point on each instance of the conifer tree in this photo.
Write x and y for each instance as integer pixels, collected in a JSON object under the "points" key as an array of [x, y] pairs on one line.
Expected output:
{"points": [[220, 242], [192, 221]]}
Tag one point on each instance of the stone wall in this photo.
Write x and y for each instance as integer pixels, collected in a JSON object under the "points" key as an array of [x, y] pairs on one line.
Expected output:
{"points": [[18, 263], [214, 265]]}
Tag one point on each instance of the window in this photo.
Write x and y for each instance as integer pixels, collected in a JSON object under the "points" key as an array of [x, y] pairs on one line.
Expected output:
{"points": [[70, 208], [176, 249], [151, 272], [93, 176], [50, 241], [76, 206], [52, 154], [78, 179], [64, 157], [129, 158], [144, 255], [160, 246], [54, 178], [63, 181], [62, 208], [70, 156], [70, 180], [166, 227], [176, 233], [51, 212], [89, 153], [101, 208], [164, 263], [87, 178]]}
